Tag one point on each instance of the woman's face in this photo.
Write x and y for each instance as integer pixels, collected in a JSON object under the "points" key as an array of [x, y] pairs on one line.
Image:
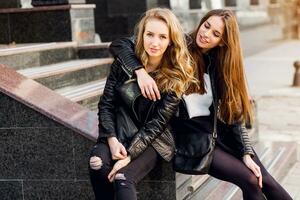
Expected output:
{"points": [[156, 38], [210, 33]]}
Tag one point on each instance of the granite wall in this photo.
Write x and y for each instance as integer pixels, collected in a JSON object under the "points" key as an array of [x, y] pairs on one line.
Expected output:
{"points": [[116, 18], [48, 24], [40, 159], [10, 4], [45, 140]]}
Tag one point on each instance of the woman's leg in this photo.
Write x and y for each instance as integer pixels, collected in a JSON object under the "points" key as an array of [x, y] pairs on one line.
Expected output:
{"points": [[127, 177], [226, 167], [99, 167], [271, 188]]}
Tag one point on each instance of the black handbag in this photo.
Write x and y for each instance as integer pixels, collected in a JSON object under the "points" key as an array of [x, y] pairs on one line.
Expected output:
{"points": [[197, 159], [125, 125]]}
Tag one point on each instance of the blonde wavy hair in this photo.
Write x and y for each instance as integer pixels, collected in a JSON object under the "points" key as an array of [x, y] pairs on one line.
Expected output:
{"points": [[176, 73], [231, 81]]}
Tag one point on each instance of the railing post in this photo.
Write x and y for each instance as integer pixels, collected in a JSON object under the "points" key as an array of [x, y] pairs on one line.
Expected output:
{"points": [[296, 81]]}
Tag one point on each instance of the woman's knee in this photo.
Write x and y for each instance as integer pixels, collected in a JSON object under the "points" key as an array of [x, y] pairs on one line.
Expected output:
{"points": [[122, 181], [270, 182], [251, 182], [99, 157], [124, 176], [95, 163]]}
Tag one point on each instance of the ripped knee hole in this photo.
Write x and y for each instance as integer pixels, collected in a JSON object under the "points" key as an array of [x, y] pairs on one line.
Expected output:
{"points": [[120, 176], [95, 163]]}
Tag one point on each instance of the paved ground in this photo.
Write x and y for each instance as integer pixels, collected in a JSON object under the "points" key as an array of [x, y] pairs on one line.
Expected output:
{"points": [[269, 67]]}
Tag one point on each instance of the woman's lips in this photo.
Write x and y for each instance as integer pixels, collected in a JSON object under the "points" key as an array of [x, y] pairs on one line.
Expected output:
{"points": [[153, 50], [202, 40]]}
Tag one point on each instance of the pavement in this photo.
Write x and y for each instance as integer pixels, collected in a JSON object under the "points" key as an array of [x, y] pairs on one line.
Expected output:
{"points": [[269, 68]]}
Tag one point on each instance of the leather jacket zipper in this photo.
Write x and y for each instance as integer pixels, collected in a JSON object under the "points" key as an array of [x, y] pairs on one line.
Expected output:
{"points": [[123, 67]]}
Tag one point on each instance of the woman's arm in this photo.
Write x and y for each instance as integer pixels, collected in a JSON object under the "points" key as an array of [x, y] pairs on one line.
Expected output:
{"points": [[106, 105], [123, 50], [165, 110], [106, 114], [246, 141]]}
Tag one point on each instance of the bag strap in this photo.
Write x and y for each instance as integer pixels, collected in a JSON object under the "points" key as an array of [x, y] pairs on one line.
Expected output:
{"points": [[215, 120]]}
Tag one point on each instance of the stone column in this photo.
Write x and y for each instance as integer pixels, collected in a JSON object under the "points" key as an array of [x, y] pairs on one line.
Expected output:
{"points": [[179, 4], [243, 5], [230, 3], [216, 4], [56, 2], [10, 4], [195, 4]]}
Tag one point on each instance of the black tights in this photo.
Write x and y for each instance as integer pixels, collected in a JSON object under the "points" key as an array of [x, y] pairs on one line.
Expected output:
{"points": [[126, 179], [228, 168]]}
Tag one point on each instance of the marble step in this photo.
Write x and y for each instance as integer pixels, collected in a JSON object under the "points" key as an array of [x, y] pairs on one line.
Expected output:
{"points": [[85, 92], [95, 50], [22, 56], [70, 73], [277, 157]]}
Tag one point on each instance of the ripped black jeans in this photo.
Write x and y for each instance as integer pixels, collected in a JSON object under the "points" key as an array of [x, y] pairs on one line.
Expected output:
{"points": [[124, 186]]}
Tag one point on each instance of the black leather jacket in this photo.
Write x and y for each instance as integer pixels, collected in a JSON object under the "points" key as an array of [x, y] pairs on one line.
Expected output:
{"points": [[236, 141], [153, 132]]}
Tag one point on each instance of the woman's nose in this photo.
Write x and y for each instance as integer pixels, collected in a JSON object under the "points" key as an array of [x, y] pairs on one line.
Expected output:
{"points": [[155, 41], [206, 33]]}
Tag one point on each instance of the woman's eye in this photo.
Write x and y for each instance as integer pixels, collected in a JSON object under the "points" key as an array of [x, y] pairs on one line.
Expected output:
{"points": [[206, 25], [163, 37], [149, 34], [216, 35]]}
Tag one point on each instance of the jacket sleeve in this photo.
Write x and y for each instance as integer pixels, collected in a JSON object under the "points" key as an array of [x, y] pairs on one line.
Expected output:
{"points": [[165, 110], [106, 105], [241, 139], [123, 49], [246, 141]]}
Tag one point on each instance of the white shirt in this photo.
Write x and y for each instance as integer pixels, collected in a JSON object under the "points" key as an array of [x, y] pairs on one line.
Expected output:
{"points": [[198, 104]]}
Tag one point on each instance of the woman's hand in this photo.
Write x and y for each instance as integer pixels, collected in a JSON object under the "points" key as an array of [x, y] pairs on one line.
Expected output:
{"points": [[117, 166], [117, 149], [147, 85], [253, 167]]}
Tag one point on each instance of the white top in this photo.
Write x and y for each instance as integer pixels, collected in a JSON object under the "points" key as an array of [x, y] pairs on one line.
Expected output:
{"points": [[198, 104]]}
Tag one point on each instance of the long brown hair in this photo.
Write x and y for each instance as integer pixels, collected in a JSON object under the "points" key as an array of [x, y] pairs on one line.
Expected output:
{"points": [[176, 72], [231, 83]]}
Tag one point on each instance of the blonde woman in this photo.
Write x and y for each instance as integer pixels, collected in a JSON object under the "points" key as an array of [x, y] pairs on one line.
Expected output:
{"points": [[117, 164], [219, 107]]}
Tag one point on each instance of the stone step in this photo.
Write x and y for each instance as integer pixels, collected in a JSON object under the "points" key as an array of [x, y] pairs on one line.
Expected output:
{"points": [[69, 73], [22, 56], [182, 183], [82, 93], [95, 50], [277, 157]]}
